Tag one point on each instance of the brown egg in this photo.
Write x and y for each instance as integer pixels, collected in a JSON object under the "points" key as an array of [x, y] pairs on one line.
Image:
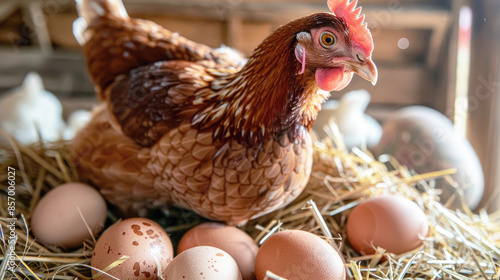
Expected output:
{"points": [[388, 221], [228, 238], [145, 243], [65, 214], [299, 255], [203, 263]]}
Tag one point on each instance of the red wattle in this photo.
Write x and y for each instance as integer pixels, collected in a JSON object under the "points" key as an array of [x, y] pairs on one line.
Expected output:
{"points": [[347, 79], [329, 79]]}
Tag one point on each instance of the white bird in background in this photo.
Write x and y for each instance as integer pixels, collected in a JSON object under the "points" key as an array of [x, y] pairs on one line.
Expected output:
{"points": [[76, 121], [357, 128], [29, 112]]}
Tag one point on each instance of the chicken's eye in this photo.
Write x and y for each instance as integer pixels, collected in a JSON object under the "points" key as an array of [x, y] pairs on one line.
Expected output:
{"points": [[327, 39]]}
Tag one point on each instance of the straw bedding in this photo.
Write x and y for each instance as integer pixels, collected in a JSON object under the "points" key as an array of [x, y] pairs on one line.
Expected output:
{"points": [[460, 244]]}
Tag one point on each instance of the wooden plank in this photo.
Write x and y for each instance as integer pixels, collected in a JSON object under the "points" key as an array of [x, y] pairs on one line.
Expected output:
{"points": [[448, 78], [60, 27], [393, 14], [234, 32], [436, 20], [390, 16], [402, 85], [202, 30], [62, 72], [387, 49], [382, 10], [437, 39], [38, 25], [385, 19], [254, 33], [249, 34], [484, 96]]}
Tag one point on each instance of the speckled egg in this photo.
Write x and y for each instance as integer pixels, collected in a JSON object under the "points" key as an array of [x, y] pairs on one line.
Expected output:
{"points": [[391, 222], [203, 263], [145, 243], [299, 255], [228, 238], [65, 214]]}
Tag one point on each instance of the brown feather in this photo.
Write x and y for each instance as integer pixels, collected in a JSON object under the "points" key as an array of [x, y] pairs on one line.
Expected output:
{"points": [[119, 45], [274, 98]]}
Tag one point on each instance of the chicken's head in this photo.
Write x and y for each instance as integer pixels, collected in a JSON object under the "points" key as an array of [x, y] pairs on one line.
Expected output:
{"points": [[277, 92], [336, 46]]}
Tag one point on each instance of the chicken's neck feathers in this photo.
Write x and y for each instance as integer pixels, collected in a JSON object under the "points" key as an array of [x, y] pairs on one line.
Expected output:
{"points": [[268, 98]]}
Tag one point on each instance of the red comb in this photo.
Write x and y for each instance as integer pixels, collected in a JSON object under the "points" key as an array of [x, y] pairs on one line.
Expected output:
{"points": [[355, 21]]}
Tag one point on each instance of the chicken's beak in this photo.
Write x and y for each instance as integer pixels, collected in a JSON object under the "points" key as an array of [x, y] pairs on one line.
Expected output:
{"points": [[365, 69]]}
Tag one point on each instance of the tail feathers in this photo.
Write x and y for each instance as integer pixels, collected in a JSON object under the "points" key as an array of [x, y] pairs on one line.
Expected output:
{"points": [[89, 10]]}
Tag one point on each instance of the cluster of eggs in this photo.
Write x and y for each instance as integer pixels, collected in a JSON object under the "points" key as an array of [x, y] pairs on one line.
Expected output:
{"points": [[212, 251], [139, 248]]}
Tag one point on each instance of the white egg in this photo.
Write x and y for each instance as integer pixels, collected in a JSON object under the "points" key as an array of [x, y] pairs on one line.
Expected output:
{"points": [[425, 140]]}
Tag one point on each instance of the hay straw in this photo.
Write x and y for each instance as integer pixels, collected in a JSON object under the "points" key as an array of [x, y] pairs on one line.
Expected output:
{"points": [[460, 244], [43, 168], [17, 153]]}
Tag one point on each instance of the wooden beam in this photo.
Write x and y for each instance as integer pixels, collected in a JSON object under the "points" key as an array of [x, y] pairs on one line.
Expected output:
{"points": [[38, 25], [234, 32], [402, 85], [449, 81], [436, 20], [63, 72], [483, 126]]}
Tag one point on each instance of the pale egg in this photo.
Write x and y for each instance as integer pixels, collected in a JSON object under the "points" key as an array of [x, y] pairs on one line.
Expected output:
{"points": [[68, 214], [228, 238], [203, 263]]}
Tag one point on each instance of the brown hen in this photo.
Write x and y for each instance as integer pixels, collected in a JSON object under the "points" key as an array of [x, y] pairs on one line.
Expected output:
{"points": [[187, 125]]}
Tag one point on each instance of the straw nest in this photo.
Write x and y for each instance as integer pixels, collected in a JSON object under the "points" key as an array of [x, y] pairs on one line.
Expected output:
{"points": [[460, 244]]}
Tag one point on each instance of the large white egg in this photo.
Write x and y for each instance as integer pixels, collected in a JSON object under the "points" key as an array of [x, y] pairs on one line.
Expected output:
{"points": [[425, 140]]}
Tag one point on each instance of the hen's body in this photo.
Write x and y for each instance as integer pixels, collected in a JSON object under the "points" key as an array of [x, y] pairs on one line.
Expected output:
{"points": [[222, 181], [188, 125]]}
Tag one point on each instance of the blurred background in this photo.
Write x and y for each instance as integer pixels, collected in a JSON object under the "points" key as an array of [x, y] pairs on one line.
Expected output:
{"points": [[443, 54]]}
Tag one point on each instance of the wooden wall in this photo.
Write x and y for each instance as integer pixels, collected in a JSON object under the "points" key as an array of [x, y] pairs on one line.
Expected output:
{"points": [[483, 127]]}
